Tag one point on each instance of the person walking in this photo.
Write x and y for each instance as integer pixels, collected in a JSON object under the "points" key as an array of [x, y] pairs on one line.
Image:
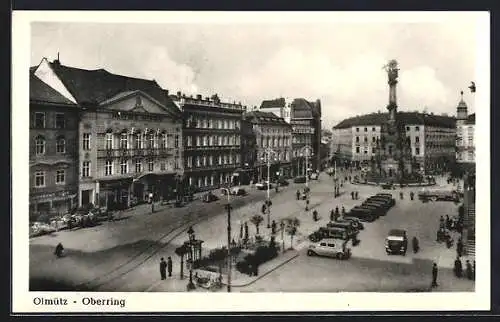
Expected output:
{"points": [[169, 266], [273, 227], [152, 206], [307, 205], [415, 245], [441, 222], [163, 269], [458, 267], [434, 275], [298, 194], [315, 215], [246, 232], [357, 195], [332, 215], [401, 195], [343, 211], [468, 270], [412, 195], [448, 222], [460, 247], [352, 195]]}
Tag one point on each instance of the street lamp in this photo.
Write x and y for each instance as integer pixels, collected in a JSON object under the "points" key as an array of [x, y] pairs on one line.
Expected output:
{"points": [[308, 153], [190, 233], [268, 152]]}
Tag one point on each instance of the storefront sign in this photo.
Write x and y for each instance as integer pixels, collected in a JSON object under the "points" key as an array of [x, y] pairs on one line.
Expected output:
{"points": [[54, 195]]}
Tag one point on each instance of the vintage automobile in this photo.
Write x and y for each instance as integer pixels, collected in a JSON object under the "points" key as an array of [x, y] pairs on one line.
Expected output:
{"points": [[388, 186], [282, 182], [356, 222], [238, 191], [362, 214], [378, 207], [209, 197], [300, 179], [396, 242], [263, 185], [313, 176], [330, 247], [332, 232], [349, 226], [386, 196], [438, 195]]}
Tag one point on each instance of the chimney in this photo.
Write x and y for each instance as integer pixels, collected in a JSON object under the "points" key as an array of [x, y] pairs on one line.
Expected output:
{"points": [[179, 94], [198, 97]]}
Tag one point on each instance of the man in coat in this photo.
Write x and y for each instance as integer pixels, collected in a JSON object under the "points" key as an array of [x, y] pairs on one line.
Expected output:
{"points": [[460, 247], [169, 266], [163, 269], [468, 270], [458, 267], [434, 275]]}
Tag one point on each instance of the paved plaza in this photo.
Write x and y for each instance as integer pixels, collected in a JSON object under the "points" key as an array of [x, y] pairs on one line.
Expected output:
{"points": [[124, 255]]}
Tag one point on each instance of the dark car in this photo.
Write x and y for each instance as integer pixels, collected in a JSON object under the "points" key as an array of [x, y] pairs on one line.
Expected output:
{"points": [[387, 186], [389, 196], [377, 209], [384, 207], [396, 242], [283, 182], [354, 220], [332, 232], [362, 214], [350, 228], [301, 179], [209, 197], [388, 199]]}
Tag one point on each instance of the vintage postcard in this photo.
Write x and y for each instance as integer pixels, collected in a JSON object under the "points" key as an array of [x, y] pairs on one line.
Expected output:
{"points": [[250, 161]]}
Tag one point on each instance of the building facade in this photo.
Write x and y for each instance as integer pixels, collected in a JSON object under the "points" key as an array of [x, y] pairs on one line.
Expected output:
{"points": [[271, 132], [306, 131], [430, 138], [53, 154], [465, 127], [248, 151], [279, 107], [129, 136], [212, 140]]}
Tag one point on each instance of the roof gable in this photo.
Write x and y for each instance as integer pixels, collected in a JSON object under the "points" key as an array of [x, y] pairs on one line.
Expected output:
{"points": [[278, 102], [43, 93]]}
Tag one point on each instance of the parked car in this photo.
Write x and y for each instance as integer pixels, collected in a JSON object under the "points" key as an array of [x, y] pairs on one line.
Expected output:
{"points": [[209, 197], [300, 179], [379, 203], [388, 186], [313, 176], [396, 242], [282, 182], [330, 247], [263, 185], [378, 206], [362, 214], [350, 228], [238, 191], [354, 220], [436, 195], [332, 232], [386, 196]]}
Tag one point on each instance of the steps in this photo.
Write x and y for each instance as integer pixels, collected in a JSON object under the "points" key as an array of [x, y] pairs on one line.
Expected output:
{"points": [[470, 248]]}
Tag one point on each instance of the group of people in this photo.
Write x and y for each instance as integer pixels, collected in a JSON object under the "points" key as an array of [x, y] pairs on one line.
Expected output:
{"points": [[470, 269], [164, 267], [401, 195], [335, 214], [354, 195]]}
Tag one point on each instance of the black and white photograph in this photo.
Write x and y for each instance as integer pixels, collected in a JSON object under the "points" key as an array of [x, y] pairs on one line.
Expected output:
{"points": [[165, 160]]}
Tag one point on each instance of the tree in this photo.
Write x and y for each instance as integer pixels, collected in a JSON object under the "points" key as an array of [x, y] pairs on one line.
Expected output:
{"points": [[181, 251], [257, 220], [291, 225]]}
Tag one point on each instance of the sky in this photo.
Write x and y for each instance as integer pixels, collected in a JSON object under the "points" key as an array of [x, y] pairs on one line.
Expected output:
{"points": [[339, 63]]}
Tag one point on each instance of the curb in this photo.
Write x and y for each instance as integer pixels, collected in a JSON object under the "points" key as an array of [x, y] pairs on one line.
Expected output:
{"points": [[266, 273]]}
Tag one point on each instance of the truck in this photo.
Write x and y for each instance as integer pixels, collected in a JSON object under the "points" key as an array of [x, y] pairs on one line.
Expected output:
{"points": [[438, 195]]}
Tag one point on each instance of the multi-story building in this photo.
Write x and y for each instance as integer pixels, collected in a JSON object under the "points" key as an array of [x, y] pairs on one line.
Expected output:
{"points": [[248, 152], [466, 143], [130, 139], [431, 138], [305, 118], [271, 132], [53, 154], [278, 107], [212, 140]]}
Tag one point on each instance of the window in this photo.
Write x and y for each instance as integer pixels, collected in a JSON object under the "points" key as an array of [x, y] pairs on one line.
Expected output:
{"points": [[176, 143], [366, 129], [204, 162], [123, 141], [417, 151], [151, 165], [164, 143], [417, 139], [40, 145], [86, 169], [357, 149], [197, 141], [407, 128], [189, 141], [60, 121], [138, 141], [373, 129], [374, 139], [138, 166], [189, 161], [390, 149], [209, 123], [60, 176], [417, 128], [210, 160], [151, 139], [176, 163], [86, 141], [220, 159], [39, 179], [40, 120], [322, 244], [61, 145], [357, 139], [366, 151], [204, 140], [198, 161], [108, 168], [123, 166], [162, 166], [365, 139], [357, 129]]}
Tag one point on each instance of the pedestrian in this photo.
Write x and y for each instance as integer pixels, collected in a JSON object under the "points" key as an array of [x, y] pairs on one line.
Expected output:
{"points": [[263, 208], [59, 250], [169, 266], [163, 268], [276, 188], [441, 222], [434, 275], [331, 215], [298, 194], [412, 195], [357, 195], [307, 204], [401, 195], [474, 270], [468, 270], [315, 215], [343, 211], [273, 227], [460, 247], [458, 267], [152, 207], [246, 231], [352, 195], [241, 231], [415, 245]]}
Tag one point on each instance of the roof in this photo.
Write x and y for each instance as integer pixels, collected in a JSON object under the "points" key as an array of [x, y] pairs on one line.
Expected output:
{"points": [[278, 102], [43, 93], [259, 117], [397, 232], [404, 117], [302, 108], [96, 86]]}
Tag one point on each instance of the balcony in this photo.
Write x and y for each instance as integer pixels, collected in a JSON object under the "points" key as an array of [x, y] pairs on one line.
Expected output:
{"points": [[128, 153], [211, 167], [212, 147]]}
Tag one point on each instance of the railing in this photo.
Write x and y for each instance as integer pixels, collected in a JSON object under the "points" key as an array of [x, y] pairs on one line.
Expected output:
{"points": [[211, 167], [118, 153], [212, 147]]}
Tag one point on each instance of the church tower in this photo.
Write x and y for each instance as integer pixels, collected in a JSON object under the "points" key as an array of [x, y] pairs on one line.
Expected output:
{"points": [[461, 110]]}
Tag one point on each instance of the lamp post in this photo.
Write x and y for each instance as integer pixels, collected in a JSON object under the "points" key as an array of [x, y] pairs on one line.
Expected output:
{"points": [[268, 152], [191, 239], [307, 152]]}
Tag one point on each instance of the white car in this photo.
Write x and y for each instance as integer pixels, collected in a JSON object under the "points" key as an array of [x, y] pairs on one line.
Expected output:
{"points": [[263, 185], [314, 176], [330, 247]]}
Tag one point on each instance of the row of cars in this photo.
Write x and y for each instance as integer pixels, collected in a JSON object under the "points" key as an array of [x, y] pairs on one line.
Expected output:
{"points": [[332, 239]]}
